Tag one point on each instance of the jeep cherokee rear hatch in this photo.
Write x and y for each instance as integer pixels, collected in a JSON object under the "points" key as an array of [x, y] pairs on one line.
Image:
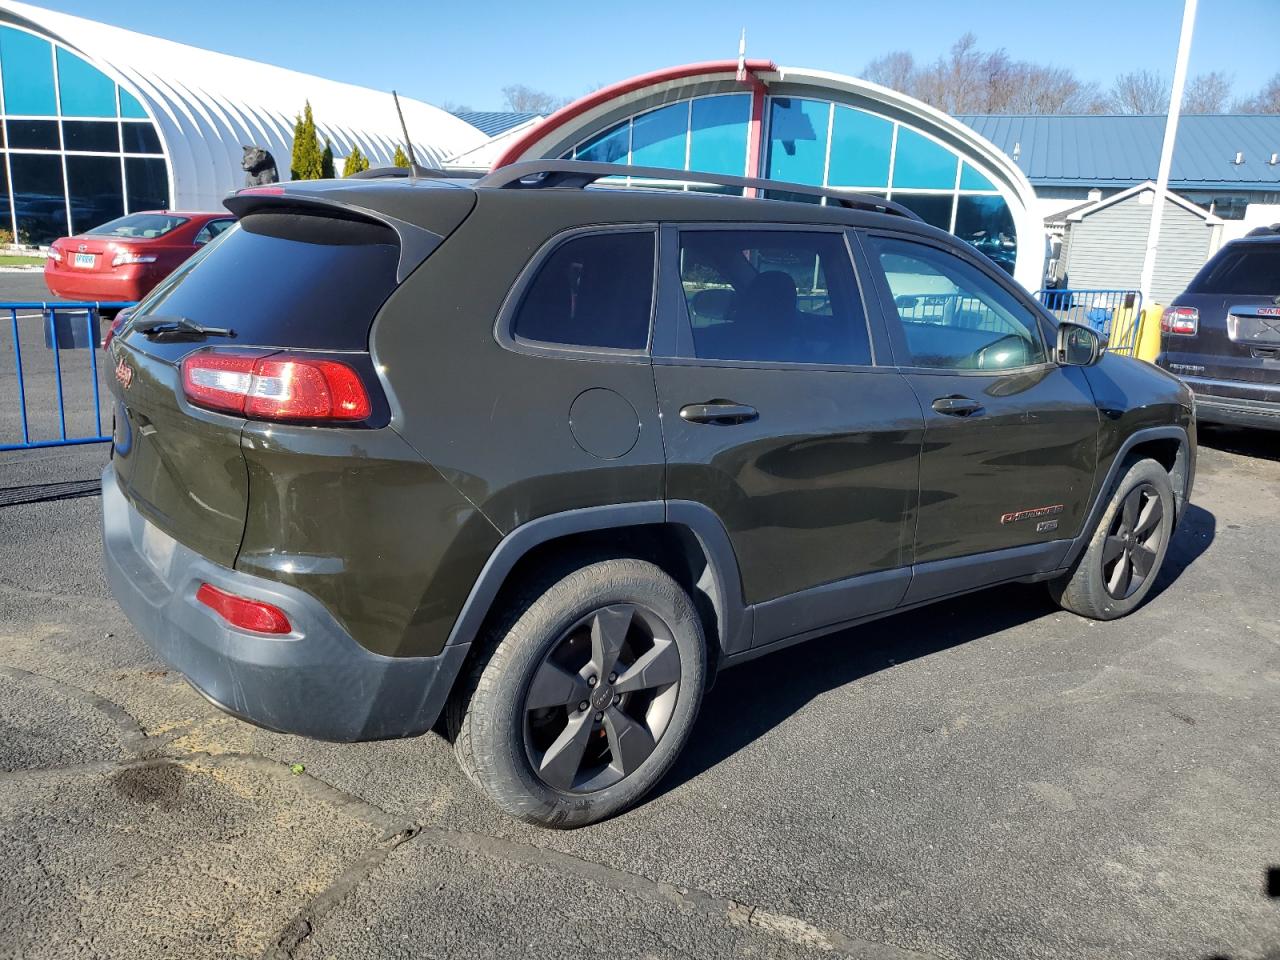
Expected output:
{"points": [[270, 323], [1226, 326]]}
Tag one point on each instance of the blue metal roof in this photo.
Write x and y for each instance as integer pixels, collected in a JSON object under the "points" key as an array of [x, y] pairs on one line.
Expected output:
{"points": [[1120, 151], [493, 122]]}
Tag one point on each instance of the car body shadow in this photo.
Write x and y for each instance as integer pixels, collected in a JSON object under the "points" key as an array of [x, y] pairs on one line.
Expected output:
{"points": [[1195, 533], [781, 684], [1260, 444]]}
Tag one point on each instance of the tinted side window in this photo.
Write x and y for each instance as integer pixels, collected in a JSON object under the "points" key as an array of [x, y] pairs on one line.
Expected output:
{"points": [[774, 296], [953, 315], [1251, 272], [593, 291]]}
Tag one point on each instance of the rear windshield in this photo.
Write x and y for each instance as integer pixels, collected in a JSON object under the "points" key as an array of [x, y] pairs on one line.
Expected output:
{"points": [[139, 226], [286, 279], [1252, 271]]}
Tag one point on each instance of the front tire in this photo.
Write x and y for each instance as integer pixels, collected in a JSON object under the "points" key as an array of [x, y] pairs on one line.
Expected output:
{"points": [[586, 699], [1119, 567]]}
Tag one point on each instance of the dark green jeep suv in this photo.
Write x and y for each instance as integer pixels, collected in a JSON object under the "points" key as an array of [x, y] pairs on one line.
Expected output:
{"points": [[534, 458]]}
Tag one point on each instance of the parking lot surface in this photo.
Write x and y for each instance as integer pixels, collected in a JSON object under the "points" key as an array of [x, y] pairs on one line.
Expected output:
{"points": [[987, 778], [990, 777]]}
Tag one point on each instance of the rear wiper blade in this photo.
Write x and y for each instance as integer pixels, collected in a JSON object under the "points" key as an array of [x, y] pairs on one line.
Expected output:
{"points": [[156, 327]]}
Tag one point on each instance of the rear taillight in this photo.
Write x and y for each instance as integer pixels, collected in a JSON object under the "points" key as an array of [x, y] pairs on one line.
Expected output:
{"points": [[116, 323], [54, 254], [1180, 321], [276, 387], [242, 612], [122, 259]]}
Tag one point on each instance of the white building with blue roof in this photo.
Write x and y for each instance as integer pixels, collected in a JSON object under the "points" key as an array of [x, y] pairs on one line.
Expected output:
{"points": [[1228, 164]]}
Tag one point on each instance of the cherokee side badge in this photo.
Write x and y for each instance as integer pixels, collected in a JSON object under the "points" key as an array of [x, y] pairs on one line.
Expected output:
{"points": [[1036, 513]]}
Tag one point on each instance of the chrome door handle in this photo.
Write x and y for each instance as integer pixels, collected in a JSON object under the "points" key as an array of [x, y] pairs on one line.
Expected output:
{"points": [[957, 406], [722, 413]]}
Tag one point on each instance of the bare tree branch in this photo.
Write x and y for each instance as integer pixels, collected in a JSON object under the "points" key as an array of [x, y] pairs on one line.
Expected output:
{"points": [[1142, 91], [1266, 100], [895, 70], [969, 80], [522, 99], [1207, 93]]}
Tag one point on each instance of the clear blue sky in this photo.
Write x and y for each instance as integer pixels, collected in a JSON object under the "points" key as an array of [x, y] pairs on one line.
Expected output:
{"points": [[466, 52]]}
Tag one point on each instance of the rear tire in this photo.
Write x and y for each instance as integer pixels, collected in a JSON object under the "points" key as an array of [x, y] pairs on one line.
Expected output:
{"points": [[621, 637], [1119, 567]]}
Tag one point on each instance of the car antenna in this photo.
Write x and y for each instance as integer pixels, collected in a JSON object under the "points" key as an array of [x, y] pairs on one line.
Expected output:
{"points": [[408, 144]]}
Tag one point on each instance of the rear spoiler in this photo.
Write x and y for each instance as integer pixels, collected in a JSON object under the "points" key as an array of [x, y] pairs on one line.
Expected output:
{"points": [[416, 243]]}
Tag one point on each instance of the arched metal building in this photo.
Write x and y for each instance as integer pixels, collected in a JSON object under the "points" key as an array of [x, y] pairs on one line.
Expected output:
{"points": [[806, 126], [99, 121]]}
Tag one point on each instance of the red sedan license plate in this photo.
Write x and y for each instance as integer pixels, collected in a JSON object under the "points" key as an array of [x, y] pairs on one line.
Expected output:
{"points": [[83, 260]]}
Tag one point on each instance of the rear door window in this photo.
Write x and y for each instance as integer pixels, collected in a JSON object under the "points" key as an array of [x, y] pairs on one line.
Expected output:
{"points": [[594, 291], [285, 279], [211, 230], [1250, 272], [953, 316], [139, 226], [772, 296]]}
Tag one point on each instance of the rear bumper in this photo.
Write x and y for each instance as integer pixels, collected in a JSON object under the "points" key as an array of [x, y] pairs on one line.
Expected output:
{"points": [[316, 681], [97, 286], [1238, 413], [1237, 403]]}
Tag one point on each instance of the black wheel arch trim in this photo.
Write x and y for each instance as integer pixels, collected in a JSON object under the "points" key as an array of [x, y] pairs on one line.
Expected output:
{"points": [[734, 627], [1181, 483]]}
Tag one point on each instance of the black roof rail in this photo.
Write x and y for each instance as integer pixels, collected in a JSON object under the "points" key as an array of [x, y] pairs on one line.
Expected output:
{"points": [[577, 174], [429, 173]]}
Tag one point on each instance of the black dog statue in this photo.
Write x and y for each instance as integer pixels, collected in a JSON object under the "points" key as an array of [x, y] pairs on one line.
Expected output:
{"points": [[259, 167]]}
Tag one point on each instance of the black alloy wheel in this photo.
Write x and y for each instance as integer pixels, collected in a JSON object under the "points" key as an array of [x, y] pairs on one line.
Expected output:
{"points": [[1133, 543], [601, 699]]}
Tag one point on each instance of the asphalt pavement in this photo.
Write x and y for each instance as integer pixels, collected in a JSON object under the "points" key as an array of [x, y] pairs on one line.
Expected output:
{"points": [[990, 777]]}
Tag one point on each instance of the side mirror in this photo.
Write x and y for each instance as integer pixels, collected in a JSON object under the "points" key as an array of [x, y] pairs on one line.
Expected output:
{"points": [[1078, 346]]}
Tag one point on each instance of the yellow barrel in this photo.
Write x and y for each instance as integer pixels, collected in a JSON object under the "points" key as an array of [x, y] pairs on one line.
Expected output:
{"points": [[1148, 345]]}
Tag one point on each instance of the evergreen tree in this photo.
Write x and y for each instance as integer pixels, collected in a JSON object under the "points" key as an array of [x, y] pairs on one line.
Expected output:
{"points": [[326, 161], [305, 163], [401, 159], [296, 156], [355, 162]]}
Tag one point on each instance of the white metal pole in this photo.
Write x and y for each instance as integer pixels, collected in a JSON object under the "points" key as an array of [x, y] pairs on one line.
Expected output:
{"points": [[1166, 150]]}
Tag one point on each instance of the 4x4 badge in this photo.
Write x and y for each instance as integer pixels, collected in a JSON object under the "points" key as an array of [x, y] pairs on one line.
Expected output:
{"points": [[124, 373]]}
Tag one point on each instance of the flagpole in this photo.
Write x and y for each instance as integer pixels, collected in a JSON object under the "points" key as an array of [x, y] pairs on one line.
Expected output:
{"points": [[1166, 149]]}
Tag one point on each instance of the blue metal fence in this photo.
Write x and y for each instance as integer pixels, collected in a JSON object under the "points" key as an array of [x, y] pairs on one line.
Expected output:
{"points": [[1116, 314], [46, 400]]}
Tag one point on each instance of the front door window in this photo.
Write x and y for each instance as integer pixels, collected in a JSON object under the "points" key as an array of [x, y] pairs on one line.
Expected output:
{"points": [[951, 315]]}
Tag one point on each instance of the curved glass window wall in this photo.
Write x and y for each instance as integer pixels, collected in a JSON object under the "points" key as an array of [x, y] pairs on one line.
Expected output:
{"points": [[822, 143], [76, 150]]}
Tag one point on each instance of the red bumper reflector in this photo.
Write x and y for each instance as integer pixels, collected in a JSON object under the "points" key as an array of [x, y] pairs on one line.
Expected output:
{"points": [[242, 612]]}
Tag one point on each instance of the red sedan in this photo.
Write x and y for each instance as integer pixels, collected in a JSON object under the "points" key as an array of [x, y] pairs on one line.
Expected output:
{"points": [[124, 258]]}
